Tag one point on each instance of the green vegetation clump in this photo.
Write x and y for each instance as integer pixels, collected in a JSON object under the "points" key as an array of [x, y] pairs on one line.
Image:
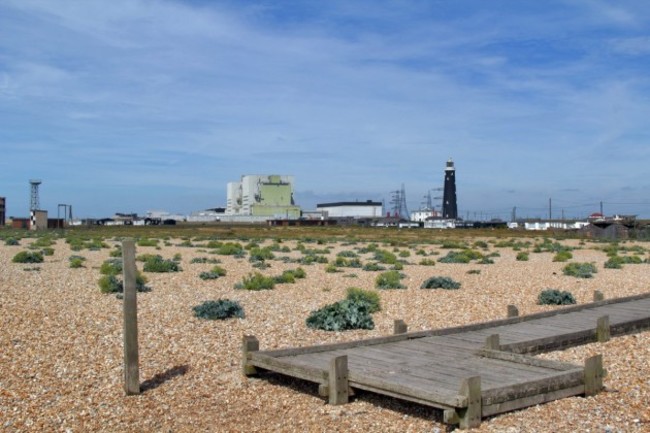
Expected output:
{"points": [[28, 257], [219, 310], [76, 261], [290, 276], [580, 270], [386, 257], [348, 254], [332, 269], [617, 262], [464, 256], [451, 244], [111, 267], [204, 260], [257, 254], [144, 242], [341, 316], [440, 283], [230, 249], [112, 284], [256, 282], [562, 256], [555, 297], [344, 262], [369, 297], [12, 242], [427, 262], [522, 256], [372, 266], [158, 264], [389, 280]]}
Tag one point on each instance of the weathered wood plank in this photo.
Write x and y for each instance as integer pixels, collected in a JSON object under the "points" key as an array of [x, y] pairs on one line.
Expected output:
{"points": [[550, 383], [602, 329], [130, 313], [284, 366], [470, 416], [528, 360], [338, 380], [507, 406], [593, 375]]}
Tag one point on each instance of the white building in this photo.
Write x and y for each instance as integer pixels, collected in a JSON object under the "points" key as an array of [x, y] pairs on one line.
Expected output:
{"points": [[262, 197], [439, 223], [422, 215], [352, 209]]}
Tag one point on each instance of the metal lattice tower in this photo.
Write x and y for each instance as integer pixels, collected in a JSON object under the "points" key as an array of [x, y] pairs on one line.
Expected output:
{"points": [[34, 203], [398, 200]]}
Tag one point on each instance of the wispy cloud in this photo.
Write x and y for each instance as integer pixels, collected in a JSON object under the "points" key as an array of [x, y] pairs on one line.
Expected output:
{"points": [[184, 96]]}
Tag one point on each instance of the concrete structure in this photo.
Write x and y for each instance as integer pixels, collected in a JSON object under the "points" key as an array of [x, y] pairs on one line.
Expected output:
{"points": [[261, 197], [3, 211], [440, 223], [554, 224], [38, 220], [449, 204], [352, 209]]}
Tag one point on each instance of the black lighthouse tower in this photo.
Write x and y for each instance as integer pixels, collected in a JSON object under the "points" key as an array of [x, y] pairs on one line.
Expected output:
{"points": [[449, 207]]}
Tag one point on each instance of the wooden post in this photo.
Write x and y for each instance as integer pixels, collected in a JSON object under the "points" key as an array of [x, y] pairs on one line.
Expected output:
{"points": [[249, 344], [399, 327], [593, 375], [470, 416], [492, 342], [131, 357], [513, 311], [338, 380], [602, 329], [598, 296]]}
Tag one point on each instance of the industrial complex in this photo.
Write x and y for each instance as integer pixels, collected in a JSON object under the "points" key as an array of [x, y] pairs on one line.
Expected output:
{"points": [[269, 199]]}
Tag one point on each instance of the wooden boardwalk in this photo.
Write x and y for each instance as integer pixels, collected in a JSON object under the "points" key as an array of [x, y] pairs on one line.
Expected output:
{"points": [[470, 371]]}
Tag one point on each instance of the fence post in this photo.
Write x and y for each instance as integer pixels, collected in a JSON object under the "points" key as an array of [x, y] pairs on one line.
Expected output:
{"points": [[602, 329], [131, 356], [249, 344], [513, 311], [470, 416], [598, 296], [399, 327], [593, 375], [338, 380]]}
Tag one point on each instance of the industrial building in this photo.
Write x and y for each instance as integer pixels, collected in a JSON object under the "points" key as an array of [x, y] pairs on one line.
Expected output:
{"points": [[261, 197], [352, 209]]}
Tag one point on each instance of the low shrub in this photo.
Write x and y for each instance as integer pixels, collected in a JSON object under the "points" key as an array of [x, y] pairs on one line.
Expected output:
{"points": [[204, 260], [12, 242], [332, 269], [389, 280], [580, 270], [219, 310], [427, 262], [344, 262], [76, 261], [144, 242], [348, 254], [256, 282], [474, 271], [28, 257], [112, 284], [464, 256], [231, 249], [386, 257], [617, 262], [257, 254], [562, 256], [440, 283], [369, 297], [372, 266], [555, 297], [341, 316], [522, 256], [158, 264], [111, 267]]}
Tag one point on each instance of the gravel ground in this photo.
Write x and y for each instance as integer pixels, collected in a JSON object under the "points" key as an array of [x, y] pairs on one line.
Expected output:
{"points": [[61, 344]]}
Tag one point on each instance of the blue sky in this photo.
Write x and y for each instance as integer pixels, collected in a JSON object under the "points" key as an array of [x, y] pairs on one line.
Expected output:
{"points": [[135, 105]]}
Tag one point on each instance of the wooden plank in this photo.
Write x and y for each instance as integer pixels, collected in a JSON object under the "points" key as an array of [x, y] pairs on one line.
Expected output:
{"points": [[381, 384], [550, 383], [528, 360], [453, 330], [507, 406], [258, 359]]}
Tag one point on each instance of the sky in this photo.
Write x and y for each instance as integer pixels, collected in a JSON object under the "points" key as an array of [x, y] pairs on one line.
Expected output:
{"points": [[137, 105]]}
